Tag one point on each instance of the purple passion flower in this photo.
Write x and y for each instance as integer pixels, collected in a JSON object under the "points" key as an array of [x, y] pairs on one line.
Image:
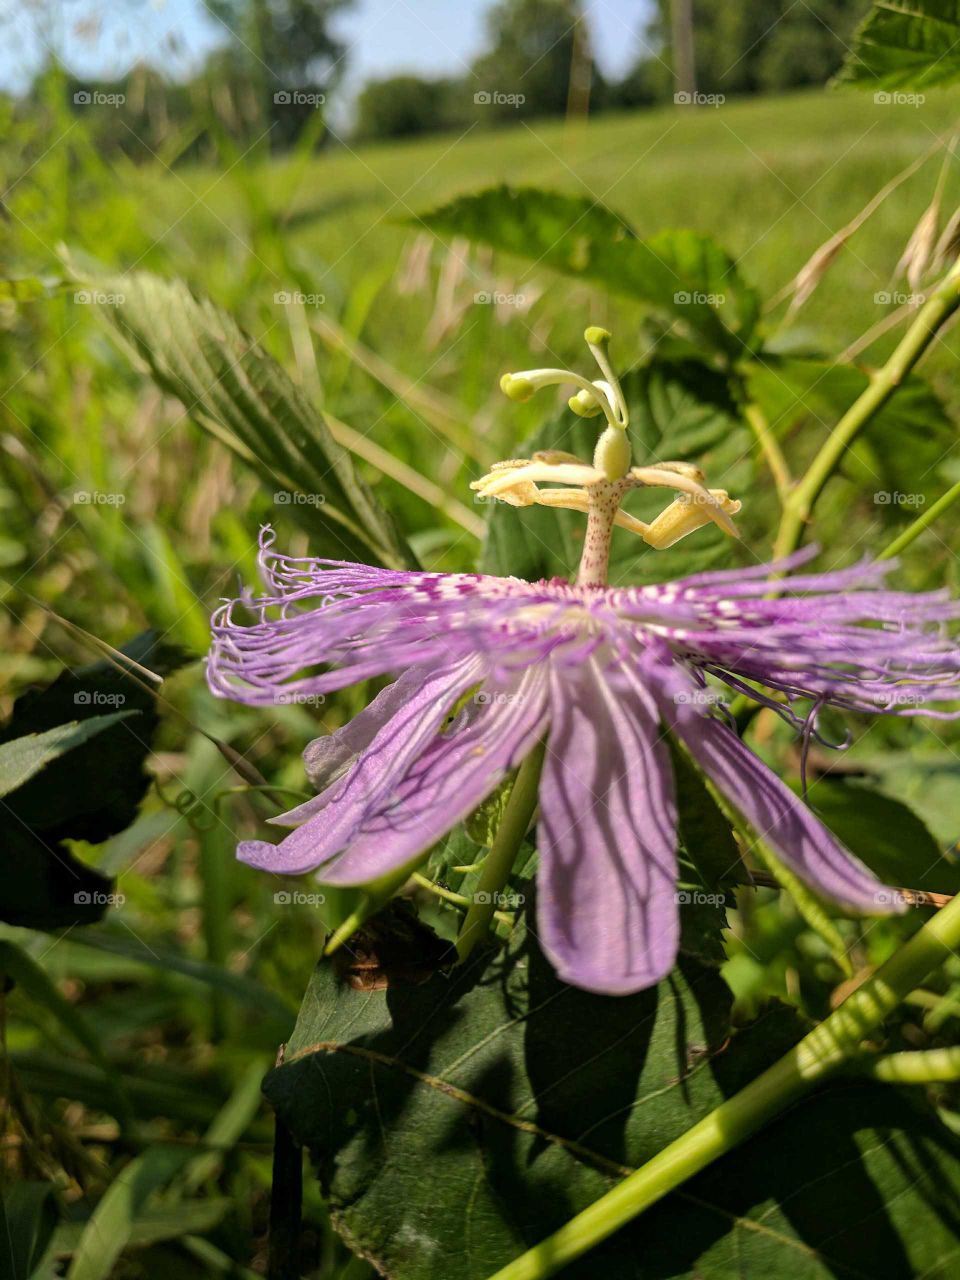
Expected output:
{"points": [[490, 666]]}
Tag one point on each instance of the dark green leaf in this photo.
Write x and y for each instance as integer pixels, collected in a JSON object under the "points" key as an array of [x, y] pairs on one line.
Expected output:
{"points": [[28, 1216], [21, 758], [905, 45], [886, 835], [89, 794], [469, 1079], [458, 1120], [681, 273], [705, 834], [229, 384]]}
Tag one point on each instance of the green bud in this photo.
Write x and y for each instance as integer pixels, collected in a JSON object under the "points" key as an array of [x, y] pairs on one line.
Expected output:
{"points": [[519, 389], [595, 336]]}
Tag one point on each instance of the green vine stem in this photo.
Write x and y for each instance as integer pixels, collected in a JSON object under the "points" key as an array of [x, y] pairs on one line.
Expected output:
{"points": [[922, 522], [830, 1046], [883, 383], [498, 863]]}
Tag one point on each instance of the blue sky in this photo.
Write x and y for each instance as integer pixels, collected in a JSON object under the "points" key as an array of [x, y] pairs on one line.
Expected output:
{"points": [[104, 37]]}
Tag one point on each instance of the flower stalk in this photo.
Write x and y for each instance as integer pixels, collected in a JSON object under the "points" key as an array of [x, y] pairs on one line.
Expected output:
{"points": [[498, 863], [930, 319], [829, 1047]]}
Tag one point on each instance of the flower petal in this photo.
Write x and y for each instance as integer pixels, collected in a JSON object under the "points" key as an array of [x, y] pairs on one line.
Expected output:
{"points": [[606, 894], [779, 817], [331, 820], [457, 773]]}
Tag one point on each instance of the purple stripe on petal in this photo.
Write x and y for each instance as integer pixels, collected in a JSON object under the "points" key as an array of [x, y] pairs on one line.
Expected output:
{"points": [[448, 782], [331, 820], [606, 889]]}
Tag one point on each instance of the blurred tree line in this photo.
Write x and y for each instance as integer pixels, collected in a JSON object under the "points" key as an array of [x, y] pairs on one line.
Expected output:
{"points": [[282, 65]]}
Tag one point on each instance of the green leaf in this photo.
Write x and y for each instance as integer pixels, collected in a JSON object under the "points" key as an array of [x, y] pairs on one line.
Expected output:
{"points": [[886, 835], [898, 452], [22, 969], [113, 1223], [28, 1217], [243, 989], [153, 1224], [89, 794], [678, 412], [231, 386], [905, 45], [23, 757], [705, 833], [683, 274], [437, 1082], [476, 1112]]}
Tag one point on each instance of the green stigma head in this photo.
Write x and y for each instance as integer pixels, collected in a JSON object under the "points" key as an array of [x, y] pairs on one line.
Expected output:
{"points": [[519, 389], [585, 405], [594, 336]]}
